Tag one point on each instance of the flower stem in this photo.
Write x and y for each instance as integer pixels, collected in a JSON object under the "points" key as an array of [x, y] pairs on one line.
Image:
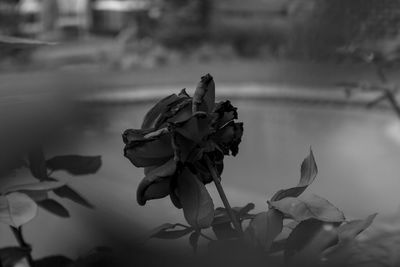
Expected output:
{"points": [[22, 243], [217, 182]]}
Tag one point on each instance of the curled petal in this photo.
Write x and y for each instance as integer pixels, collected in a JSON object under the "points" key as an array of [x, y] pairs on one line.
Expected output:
{"points": [[204, 96], [203, 174], [143, 151], [182, 147], [156, 183], [157, 190], [196, 128], [149, 169], [157, 110], [229, 137], [132, 136], [164, 109], [178, 111], [224, 112]]}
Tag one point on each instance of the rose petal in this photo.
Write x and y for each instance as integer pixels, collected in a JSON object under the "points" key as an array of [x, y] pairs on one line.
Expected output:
{"points": [[195, 128], [136, 135], [157, 110], [204, 96], [229, 137], [225, 113], [160, 175], [157, 190], [203, 174], [149, 169], [182, 147], [178, 111], [144, 152]]}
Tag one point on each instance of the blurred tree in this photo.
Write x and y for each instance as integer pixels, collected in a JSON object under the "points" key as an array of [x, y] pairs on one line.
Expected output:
{"points": [[339, 23]]}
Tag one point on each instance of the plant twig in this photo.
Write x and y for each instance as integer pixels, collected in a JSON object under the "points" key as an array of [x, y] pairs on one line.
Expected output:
{"points": [[390, 95], [217, 182], [22, 243], [392, 100]]}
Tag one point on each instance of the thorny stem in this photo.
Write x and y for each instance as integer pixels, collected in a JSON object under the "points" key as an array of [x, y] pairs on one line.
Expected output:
{"points": [[201, 234], [217, 182], [22, 243]]}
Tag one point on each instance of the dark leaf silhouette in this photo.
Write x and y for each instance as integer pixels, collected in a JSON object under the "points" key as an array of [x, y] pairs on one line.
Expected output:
{"points": [[166, 231], [10, 256], [52, 261], [224, 230], [197, 204], [194, 240], [37, 164], [308, 173], [74, 164], [16, 209], [312, 207], [54, 207], [265, 227], [71, 194]]}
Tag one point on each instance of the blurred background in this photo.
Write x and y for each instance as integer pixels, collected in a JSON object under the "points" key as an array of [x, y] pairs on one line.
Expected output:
{"points": [[74, 74]]}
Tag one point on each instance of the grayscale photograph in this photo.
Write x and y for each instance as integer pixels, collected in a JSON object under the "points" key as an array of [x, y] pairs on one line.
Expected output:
{"points": [[199, 133]]}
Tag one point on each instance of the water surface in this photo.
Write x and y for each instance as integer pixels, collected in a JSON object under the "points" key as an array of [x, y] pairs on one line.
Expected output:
{"points": [[357, 153]]}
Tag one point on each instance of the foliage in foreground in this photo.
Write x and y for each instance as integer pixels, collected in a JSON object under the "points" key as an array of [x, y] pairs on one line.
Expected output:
{"points": [[19, 203], [182, 144]]}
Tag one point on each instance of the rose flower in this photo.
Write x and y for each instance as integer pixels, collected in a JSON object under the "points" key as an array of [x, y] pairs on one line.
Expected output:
{"points": [[179, 135]]}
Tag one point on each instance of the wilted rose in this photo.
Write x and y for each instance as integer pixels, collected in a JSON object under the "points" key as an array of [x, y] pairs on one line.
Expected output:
{"points": [[176, 137]]}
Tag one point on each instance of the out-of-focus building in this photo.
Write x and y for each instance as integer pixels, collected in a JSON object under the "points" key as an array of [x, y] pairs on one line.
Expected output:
{"points": [[30, 17], [43, 16], [257, 15], [254, 23], [36, 17], [8, 15], [110, 16]]}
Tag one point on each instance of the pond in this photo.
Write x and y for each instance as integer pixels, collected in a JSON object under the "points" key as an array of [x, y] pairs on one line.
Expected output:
{"points": [[357, 153]]}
